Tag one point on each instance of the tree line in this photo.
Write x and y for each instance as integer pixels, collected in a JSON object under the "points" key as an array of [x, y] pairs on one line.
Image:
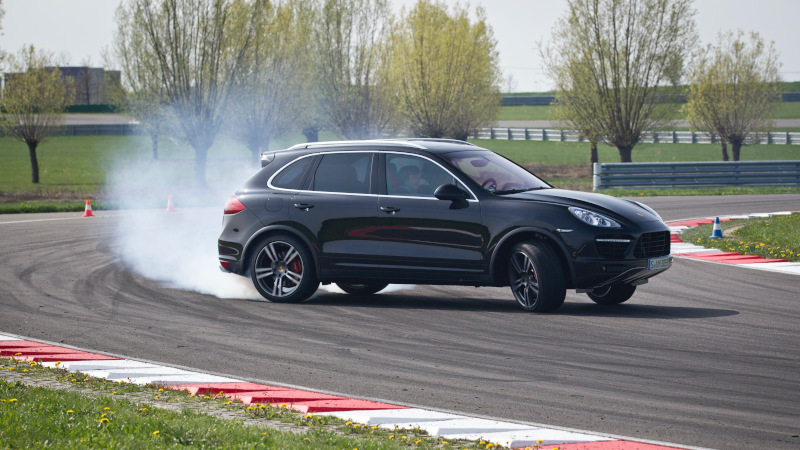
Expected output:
{"points": [[257, 69]]}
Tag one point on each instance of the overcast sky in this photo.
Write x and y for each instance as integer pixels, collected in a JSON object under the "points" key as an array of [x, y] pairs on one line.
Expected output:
{"points": [[81, 29]]}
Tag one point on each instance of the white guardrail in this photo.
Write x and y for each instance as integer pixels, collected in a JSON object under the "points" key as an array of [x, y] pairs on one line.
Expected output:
{"points": [[663, 137], [695, 174]]}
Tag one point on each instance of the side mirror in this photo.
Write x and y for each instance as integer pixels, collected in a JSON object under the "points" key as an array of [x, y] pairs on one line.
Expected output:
{"points": [[454, 194]]}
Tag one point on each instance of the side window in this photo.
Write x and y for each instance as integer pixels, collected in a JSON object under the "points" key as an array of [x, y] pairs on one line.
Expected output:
{"points": [[414, 176], [292, 175], [343, 172]]}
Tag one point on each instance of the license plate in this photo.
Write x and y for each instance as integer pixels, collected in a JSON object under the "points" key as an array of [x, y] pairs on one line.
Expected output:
{"points": [[659, 263]]}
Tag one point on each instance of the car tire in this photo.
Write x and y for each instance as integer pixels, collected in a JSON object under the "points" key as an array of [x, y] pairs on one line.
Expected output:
{"points": [[362, 289], [283, 271], [535, 276], [612, 295]]}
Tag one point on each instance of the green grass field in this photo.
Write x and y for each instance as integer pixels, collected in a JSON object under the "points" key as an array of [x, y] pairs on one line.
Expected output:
{"points": [[786, 110], [73, 169], [43, 407], [773, 237]]}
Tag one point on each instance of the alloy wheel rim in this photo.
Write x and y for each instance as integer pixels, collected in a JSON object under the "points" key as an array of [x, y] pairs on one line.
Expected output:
{"points": [[279, 269], [524, 280]]}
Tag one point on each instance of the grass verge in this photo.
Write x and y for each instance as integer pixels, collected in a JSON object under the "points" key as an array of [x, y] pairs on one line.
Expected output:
{"points": [[772, 237], [41, 407], [120, 171], [784, 110]]}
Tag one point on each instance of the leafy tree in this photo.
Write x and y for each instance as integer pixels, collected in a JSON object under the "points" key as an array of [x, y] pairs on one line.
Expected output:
{"points": [[352, 66], [275, 75], [188, 53], [447, 67], [734, 87], [576, 105], [616, 57], [33, 102]]}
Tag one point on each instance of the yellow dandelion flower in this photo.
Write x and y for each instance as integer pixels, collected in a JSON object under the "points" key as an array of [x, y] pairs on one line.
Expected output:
{"points": [[69, 411], [104, 415], [103, 420], [155, 432], [12, 400]]}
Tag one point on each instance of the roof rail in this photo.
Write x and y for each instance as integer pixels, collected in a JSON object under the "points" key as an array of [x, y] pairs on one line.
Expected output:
{"points": [[366, 142], [447, 141]]}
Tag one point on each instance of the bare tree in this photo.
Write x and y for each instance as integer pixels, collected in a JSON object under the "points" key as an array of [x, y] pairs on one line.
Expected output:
{"points": [[86, 84], [33, 102], [622, 54], [268, 95], [188, 53], [734, 89], [352, 65]]}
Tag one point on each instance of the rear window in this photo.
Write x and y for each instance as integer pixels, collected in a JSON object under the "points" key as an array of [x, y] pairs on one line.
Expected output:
{"points": [[291, 176]]}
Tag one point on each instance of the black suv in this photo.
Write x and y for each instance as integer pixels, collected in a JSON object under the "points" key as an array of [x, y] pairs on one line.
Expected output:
{"points": [[363, 214]]}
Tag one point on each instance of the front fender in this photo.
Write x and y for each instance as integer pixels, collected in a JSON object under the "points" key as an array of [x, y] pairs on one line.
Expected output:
{"points": [[504, 244]]}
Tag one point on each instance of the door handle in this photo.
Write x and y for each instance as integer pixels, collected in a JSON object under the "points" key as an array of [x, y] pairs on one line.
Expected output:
{"points": [[390, 209], [303, 206]]}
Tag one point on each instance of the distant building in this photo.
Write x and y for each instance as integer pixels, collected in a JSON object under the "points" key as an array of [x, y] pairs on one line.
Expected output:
{"points": [[85, 85], [90, 85]]}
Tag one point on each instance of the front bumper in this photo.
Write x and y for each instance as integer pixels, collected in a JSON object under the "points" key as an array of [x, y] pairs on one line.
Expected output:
{"points": [[596, 273]]}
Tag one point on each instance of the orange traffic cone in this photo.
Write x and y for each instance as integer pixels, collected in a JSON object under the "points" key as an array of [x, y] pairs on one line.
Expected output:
{"points": [[87, 212], [170, 206]]}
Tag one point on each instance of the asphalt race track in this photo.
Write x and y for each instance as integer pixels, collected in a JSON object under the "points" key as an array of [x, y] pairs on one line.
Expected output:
{"points": [[704, 355]]}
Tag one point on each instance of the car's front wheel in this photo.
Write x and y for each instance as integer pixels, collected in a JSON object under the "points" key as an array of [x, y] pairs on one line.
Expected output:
{"points": [[612, 295], [362, 289], [283, 271], [535, 276]]}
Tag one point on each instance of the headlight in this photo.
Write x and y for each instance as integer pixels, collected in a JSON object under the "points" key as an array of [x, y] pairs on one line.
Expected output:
{"points": [[649, 209], [594, 219]]}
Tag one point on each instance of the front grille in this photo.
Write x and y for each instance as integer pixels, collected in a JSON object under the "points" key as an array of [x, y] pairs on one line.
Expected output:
{"points": [[612, 247], [651, 245]]}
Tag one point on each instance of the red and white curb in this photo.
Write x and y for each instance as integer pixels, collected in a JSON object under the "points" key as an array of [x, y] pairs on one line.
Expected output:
{"points": [[689, 250], [368, 412]]}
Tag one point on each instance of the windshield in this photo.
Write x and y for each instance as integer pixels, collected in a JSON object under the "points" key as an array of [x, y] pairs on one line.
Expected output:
{"points": [[494, 173]]}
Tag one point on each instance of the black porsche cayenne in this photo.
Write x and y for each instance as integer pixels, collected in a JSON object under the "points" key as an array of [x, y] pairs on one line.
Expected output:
{"points": [[363, 214]]}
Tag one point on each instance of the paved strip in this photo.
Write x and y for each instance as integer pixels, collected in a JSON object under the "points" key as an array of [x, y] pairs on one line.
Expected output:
{"points": [[367, 412], [689, 250]]}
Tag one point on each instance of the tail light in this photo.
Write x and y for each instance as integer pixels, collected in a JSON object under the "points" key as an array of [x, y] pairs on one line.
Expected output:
{"points": [[233, 206]]}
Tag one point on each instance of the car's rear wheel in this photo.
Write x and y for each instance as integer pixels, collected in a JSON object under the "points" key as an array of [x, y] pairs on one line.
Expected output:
{"points": [[283, 271], [361, 289], [612, 295], [535, 276]]}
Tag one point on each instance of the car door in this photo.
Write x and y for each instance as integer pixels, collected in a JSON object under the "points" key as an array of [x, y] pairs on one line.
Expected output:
{"points": [[422, 237], [339, 212]]}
